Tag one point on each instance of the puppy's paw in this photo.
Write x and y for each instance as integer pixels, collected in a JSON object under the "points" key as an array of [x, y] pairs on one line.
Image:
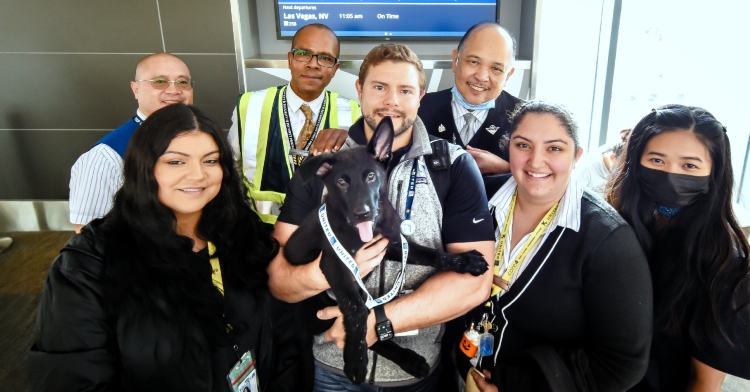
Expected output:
{"points": [[413, 363], [355, 362], [467, 262]]}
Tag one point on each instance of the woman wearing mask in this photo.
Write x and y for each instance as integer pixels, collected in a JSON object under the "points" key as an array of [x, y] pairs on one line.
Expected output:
{"points": [[168, 291], [571, 301], [675, 188]]}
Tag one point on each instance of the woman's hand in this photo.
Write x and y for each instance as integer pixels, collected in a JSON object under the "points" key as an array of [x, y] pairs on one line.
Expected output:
{"points": [[371, 254], [483, 383]]}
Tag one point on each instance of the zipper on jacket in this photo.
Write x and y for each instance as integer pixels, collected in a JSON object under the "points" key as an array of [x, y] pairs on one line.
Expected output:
{"points": [[381, 283]]}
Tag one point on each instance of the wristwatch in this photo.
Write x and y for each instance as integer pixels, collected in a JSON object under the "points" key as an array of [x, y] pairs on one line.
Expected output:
{"points": [[383, 326]]}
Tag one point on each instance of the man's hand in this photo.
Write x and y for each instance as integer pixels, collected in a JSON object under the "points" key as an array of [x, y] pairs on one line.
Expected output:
{"points": [[329, 140], [488, 162], [483, 383], [371, 254], [337, 332]]}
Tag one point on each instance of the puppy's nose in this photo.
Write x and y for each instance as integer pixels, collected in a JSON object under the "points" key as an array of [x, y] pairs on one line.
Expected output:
{"points": [[362, 213]]}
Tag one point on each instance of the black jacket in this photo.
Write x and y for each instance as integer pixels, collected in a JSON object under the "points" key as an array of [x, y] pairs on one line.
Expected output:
{"points": [[581, 310], [435, 110], [82, 346]]}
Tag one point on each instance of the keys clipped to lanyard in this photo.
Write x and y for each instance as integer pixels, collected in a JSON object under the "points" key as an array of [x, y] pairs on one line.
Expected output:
{"points": [[244, 377], [478, 341], [486, 338]]}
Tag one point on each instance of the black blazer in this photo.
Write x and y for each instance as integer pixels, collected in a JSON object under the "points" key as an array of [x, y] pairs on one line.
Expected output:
{"points": [[581, 308], [435, 110]]}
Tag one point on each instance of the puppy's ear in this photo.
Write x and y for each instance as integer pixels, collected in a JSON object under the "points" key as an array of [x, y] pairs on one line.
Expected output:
{"points": [[316, 166], [381, 142]]}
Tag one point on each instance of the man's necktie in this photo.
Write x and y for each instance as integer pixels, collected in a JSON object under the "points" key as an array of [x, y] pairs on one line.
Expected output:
{"points": [[307, 129], [468, 130]]}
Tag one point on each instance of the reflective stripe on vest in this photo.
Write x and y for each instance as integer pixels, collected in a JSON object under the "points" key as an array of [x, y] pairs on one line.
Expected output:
{"points": [[255, 115]]}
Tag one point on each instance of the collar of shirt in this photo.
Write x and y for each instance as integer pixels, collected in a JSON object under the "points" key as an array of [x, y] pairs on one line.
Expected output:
{"points": [[459, 111], [568, 212], [140, 114], [293, 102]]}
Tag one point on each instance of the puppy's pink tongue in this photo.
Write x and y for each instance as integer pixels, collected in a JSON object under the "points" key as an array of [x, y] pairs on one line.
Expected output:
{"points": [[365, 231]]}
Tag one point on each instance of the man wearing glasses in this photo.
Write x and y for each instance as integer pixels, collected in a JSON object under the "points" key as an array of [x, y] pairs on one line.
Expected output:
{"points": [[161, 79], [274, 129]]}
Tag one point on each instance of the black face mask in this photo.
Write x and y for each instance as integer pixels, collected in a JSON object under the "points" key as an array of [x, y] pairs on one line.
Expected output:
{"points": [[671, 189]]}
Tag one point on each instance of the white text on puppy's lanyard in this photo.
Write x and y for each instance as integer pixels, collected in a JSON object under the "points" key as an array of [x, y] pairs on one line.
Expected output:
{"points": [[349, 262]]}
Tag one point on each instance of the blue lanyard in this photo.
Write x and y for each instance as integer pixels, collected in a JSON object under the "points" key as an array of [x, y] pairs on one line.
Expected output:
{"points": [[412, 187]]}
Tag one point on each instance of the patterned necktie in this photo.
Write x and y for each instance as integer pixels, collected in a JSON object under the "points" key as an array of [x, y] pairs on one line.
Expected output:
{"points": [[468, 130], [307, 128]]}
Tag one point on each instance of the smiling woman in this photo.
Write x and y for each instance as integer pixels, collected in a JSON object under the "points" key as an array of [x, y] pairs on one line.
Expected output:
{"points": [[170, 288], [571, 289], [189, 176]]}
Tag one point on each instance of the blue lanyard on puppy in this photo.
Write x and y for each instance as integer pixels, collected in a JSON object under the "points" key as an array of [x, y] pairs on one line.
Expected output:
{"points": [[349, 262]]}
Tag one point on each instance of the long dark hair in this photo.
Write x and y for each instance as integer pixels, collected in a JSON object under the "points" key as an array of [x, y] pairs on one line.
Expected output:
{"points": [[699, 258], [149, 264]]}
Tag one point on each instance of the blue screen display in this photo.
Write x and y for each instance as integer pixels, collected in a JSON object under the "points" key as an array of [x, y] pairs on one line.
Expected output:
{"points": [[386, 19]]}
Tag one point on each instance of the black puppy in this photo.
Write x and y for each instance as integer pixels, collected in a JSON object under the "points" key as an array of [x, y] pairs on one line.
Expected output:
{"points": [[358, 209]]}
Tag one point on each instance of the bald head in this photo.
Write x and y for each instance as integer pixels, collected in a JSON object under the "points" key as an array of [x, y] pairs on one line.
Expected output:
{"points": [[160, 65], [156, 58], [320, 26], [502, 32]]}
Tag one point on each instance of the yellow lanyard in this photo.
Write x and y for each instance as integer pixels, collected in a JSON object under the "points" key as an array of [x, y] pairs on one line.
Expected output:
{"points": [[215, 268], [527, 246]]}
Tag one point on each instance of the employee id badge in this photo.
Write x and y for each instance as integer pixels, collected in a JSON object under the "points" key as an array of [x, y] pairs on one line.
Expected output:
{"points": [[244, 376]]}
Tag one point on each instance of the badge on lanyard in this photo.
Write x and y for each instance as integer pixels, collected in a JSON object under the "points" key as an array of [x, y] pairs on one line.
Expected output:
{"points": [[244, 377], [408, 227]]}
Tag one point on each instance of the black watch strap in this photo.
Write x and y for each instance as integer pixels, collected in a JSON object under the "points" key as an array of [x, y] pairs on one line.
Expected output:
{"points": [[383, 326], [380, 314]]}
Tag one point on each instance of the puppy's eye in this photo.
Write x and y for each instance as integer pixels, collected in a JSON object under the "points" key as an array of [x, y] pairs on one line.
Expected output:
{"points": [[371, 177], [342, 183]]}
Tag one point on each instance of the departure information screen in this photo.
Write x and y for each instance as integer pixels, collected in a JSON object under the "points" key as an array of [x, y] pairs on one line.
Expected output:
{"points": [[386, 19]]}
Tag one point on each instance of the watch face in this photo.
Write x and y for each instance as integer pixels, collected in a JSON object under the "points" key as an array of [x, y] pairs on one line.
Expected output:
{"points": [[384, 330]]}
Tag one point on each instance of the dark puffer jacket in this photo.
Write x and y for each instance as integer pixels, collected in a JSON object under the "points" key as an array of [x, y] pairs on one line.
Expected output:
{"points": [[81, 346]]}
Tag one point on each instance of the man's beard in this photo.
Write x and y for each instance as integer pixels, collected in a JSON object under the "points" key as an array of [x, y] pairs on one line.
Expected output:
{"points": [[407, 123]]}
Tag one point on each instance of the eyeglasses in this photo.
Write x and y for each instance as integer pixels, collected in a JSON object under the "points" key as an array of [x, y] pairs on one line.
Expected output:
{"points": [[163, 83], [305, 56]]}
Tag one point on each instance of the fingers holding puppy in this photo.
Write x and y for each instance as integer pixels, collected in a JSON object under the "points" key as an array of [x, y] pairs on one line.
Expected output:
{"points": [[371, 254], [336, 333]]}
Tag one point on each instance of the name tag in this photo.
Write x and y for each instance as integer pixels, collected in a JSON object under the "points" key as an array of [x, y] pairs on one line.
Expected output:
{"points": [[243, 377]]}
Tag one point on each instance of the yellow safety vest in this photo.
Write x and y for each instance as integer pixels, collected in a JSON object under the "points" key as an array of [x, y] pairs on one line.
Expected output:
{"points": [[264, 149]]}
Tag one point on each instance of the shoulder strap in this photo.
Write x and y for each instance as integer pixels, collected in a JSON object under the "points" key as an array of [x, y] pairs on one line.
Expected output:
{"points": [[439, 166]]}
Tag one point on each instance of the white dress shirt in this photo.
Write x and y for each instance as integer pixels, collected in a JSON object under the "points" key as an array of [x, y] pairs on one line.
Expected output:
{"points": [[568, 216], [94, 179]]}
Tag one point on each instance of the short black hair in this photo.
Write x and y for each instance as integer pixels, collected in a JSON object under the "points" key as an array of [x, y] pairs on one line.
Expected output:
{"points": [[320, 26]]}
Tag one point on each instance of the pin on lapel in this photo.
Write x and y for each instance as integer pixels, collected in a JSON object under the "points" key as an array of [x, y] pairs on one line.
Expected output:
{"points": [[492, 129], [441, 128]]}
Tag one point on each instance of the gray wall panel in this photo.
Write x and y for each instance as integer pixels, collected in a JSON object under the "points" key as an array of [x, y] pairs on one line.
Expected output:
{"points": [[46, 158], [66, 72], [197, 26], [216, 85], [72, 91], [79, 26]]}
